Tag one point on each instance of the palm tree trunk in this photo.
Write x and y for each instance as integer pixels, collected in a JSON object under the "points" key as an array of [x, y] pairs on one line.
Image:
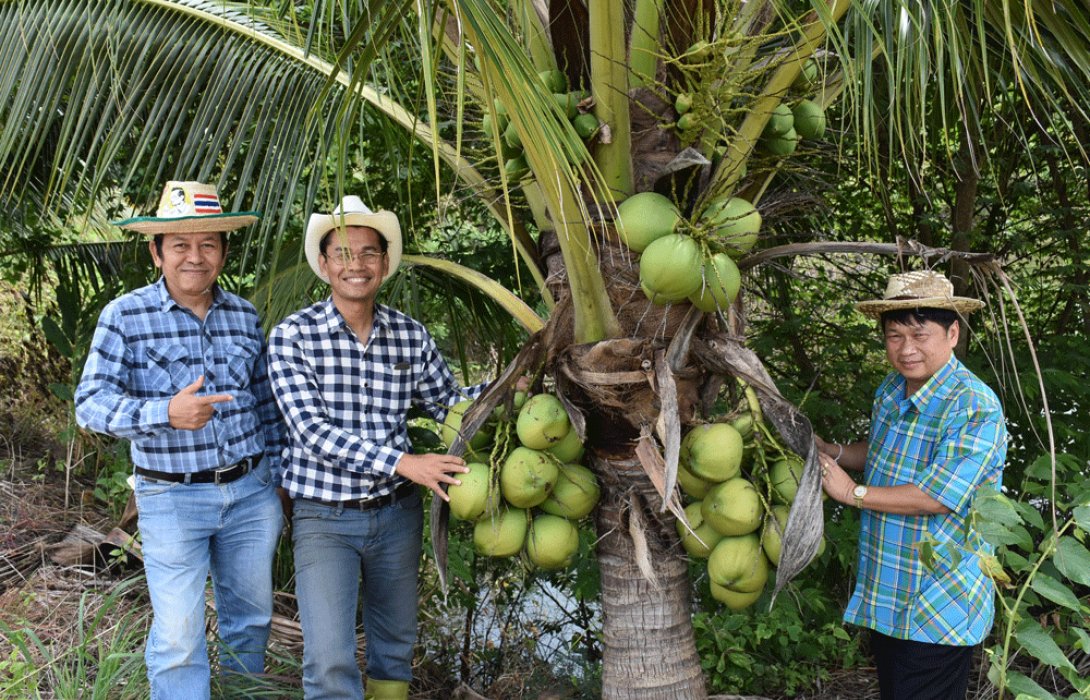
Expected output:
{"points": [[647, 636]]}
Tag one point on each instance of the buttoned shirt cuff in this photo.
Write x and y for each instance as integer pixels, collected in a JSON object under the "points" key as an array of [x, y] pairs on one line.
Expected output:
{"points": [[386, 460], [155, 414]]}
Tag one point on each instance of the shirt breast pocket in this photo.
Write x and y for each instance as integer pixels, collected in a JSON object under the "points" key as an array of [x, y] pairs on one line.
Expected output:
{"points": [[240, 364], [167, 370], [392, 384]]}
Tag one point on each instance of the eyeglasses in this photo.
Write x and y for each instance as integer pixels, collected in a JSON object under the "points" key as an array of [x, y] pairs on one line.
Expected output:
{"points": [[345, 257]]}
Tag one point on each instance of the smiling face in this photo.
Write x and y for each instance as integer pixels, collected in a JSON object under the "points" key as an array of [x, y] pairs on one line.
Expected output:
{"points": [[355, 263], [918, 351], [190, 262]]}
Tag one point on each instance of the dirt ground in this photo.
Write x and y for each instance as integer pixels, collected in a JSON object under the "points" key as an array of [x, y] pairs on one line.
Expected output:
{"points": [[53, 599]]}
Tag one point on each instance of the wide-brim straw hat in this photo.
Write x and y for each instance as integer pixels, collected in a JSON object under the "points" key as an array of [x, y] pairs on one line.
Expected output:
{"points": [[353, 212], [189, 207], [918, 290]]}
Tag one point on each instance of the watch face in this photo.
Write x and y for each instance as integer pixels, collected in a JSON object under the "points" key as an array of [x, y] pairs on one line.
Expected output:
{"points": [[859, 491]]}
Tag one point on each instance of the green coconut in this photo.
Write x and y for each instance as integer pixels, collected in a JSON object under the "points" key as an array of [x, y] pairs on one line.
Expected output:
{"points": [[502, 534], [786, 475], [502, 121], [733, 507], [700, 542], [736, 560], [772, 532], [527, 477], [781, 121], [568, 449], [452, 425], [782, 145], [586, 125], [644, 218], [807, 76], [722, 280], [691, 484], [469, 498], [500, 108], [687, 121], [699, 51], [732, 599], [744, 424], [512, 137], [734, 223], [575, 493], [713, 451], [809, 119], [670, 267], [542, 422], [553, 542], [567, 103], [683, 102], [516, 168], [554, 80]]}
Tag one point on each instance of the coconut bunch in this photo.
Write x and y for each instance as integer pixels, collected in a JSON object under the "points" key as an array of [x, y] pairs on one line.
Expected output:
{"points": [[574, 104], [739, 504], [792, 122], [683, 261], [526, 491]]}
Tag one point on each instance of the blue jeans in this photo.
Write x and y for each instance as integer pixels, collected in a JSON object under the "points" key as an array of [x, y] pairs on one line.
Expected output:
{"points": [[333, 547], [189, 530]]}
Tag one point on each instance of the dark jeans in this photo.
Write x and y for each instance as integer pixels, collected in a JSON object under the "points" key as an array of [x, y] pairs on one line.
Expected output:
{"points": [[910, 670]]}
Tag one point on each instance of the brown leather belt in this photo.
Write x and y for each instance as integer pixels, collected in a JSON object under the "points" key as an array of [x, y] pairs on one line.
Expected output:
{"points": [[400, 493], [212, 476]]}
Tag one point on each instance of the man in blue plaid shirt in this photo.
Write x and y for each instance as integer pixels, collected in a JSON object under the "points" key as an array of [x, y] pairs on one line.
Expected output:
{"points": [[345, 372], [178, 369], [937, 435]]}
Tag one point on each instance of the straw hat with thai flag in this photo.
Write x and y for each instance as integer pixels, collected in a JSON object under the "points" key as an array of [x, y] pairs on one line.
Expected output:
{"points": [[189, 207]]}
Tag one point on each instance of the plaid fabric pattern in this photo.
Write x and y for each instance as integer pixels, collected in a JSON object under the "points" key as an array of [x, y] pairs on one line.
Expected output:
{"points": [[147, 348], [948, 439], [346, 402]]}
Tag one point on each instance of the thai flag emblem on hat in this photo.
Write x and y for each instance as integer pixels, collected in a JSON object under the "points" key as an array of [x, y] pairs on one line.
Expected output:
{"points": [[206, 204]]}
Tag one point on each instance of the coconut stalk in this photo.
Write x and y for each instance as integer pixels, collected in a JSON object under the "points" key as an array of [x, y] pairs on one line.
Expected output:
{"points": [[609, 85], [643, 51]]}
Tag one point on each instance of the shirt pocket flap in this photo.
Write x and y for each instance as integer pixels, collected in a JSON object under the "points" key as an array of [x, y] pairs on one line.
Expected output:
{"points": [[163, 355]]}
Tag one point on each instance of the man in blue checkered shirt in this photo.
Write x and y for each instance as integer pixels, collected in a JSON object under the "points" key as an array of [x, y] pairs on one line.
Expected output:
{"points": [[345, 372], [937, 435], [178, 369]]}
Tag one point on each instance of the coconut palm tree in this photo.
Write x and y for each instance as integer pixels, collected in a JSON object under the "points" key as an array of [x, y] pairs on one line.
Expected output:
{"points": [[548, 115]]}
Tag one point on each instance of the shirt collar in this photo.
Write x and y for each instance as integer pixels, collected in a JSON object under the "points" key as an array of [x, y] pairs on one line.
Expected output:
{"points": [[936, 388], [330, 319], [167, 302]]}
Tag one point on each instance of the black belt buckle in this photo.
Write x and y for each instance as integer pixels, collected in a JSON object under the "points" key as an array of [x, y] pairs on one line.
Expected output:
{"points": [[233, 472]]}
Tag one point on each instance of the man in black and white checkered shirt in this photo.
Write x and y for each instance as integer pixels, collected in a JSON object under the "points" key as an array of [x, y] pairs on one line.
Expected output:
{"points": [[345, 372]]}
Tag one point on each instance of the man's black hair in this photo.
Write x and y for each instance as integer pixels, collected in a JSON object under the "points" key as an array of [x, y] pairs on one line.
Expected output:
{"points": [[159, 242], [383, 244], [918, 317]]}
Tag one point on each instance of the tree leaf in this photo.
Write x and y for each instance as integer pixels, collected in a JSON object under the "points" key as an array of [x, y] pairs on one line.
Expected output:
{"points": [[1025, 687], [997, 508], [1084, 639], [1055, 591], [1037, 642], [1073, 560], [55, 335], [1082, 517]]}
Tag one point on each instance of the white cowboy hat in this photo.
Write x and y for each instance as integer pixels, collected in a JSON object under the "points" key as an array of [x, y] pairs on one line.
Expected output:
{"points": [[353, 212], [189, 207], [918, 290]]}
